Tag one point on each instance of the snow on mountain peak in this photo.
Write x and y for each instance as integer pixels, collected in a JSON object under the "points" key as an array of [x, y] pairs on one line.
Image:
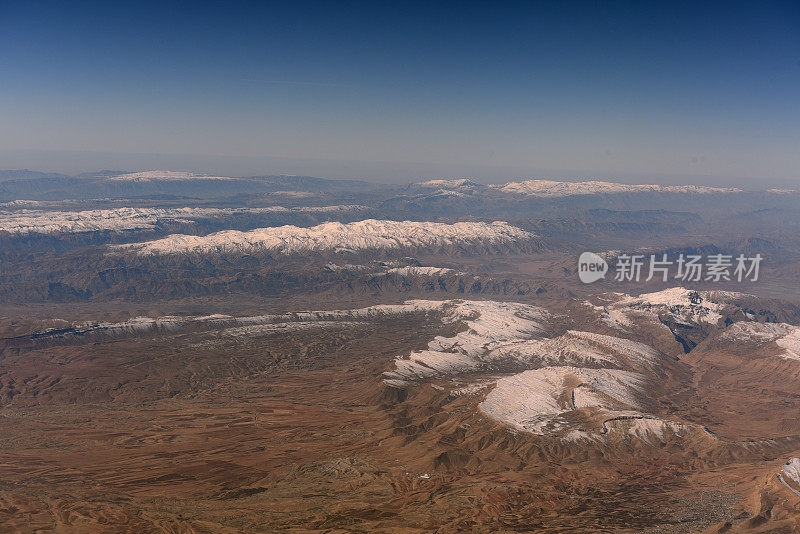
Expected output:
{"points": [[565, 374], [532, 400], [680, 296], [369, 234], [28, 221], [791, 470], [684, 304], [174, 176], [785, 336], [552, 188], [491, 326], [459, 183], [775, 191]]}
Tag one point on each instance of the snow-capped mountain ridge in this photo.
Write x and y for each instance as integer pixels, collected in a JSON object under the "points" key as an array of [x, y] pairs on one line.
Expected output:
{"points": [[447, 184], [370, 234], [785, 336], [556, 381], [684, 305], [149, 176], [552, 188], [555, 189], [529, 400], [48, 222]]}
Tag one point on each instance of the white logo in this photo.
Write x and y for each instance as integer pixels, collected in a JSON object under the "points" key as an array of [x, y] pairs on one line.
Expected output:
{"points": [[591, 267]]}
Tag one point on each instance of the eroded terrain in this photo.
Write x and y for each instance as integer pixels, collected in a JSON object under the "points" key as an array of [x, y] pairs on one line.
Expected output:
{"points": [[453, 415], [276, 354]]}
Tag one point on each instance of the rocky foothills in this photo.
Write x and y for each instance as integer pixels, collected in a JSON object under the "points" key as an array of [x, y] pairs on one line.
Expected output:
{"points": [[193, 353]]}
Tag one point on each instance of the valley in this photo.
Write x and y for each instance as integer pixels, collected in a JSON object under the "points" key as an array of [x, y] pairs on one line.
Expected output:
{"points": [[220, 366]]}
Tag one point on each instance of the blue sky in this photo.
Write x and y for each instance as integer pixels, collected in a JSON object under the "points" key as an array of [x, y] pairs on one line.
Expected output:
{"points": [[665, 92]]}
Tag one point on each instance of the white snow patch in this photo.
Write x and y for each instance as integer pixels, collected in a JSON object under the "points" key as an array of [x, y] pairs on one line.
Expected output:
{"points": [[651, 430], [791, 470], [782, 191], [756, 332], [152, 176], [562, 350], [458, 183], [490, 326], [791, 344], [267, 329], [472, 388], [319, 318], [638, 353], [552, 188], [683, 304], [430, 363], [370, 234], [785, 336], [533, 400], [576, 436], [421, 271], [117, 219], [617, 319]]}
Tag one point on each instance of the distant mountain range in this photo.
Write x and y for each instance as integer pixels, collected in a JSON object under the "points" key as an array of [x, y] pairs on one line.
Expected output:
{"points": [[32, 185], [553, 188]]}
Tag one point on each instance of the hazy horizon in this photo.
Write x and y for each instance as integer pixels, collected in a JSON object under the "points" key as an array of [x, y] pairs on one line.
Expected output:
{"points": [[369, 171], [663, 94]]}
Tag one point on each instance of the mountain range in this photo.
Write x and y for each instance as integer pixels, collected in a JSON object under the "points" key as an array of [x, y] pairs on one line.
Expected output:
{"points": [[191, 353]]}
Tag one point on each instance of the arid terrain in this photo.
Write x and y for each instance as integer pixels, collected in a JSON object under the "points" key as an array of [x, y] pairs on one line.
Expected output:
{"points": [[290, 354]]}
